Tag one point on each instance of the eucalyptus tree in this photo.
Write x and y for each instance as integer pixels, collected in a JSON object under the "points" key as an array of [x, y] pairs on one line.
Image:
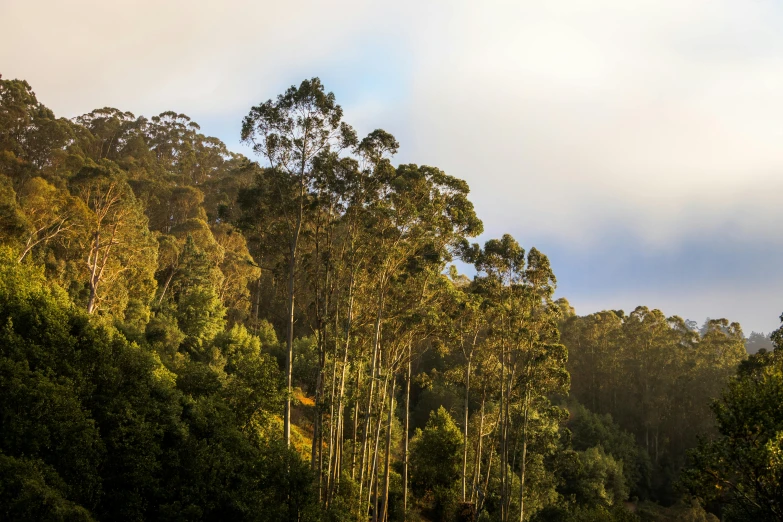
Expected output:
{"points": [[417, 222], [289, 133], [465, 328], [120, 251], [44, 213], [523, 323], [110, 132], [28, 129]]}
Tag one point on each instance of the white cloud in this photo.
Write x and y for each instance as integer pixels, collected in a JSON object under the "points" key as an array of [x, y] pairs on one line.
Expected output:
{"points": [[568, 114], [215, 56]]}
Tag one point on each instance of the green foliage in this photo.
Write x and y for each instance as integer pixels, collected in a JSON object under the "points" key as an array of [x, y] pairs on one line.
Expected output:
{"points": [[742, 467], [656, 377], [596, 479], [30, 490], [591, 430], [93, 427], [585, 514], [435, 460]]}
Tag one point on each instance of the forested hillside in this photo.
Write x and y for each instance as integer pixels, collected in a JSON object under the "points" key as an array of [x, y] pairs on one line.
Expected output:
{"points": [[191, 334]]}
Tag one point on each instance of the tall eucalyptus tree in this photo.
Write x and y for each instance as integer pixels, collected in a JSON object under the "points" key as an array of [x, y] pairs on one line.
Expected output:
{"points": [[289, 133]]}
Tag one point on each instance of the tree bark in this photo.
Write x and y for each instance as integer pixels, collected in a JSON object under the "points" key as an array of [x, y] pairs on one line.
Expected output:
{"points": [[465, 430], [373, 369], [385, 512], [289, 353], [523, 464], [406, 430]]}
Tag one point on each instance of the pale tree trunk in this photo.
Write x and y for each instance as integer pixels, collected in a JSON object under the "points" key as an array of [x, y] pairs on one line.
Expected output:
{"points": [[289, 353], [465, 430], [341, 397], [523, 465], [477, 460], [373, 477], [92, 260], [507, 414], [99, 265], [385, 512], [495, 436], [317, 417], [356, 421], [373, 369], [503, 440], [406, 429], [332, 425], [166, 286]]}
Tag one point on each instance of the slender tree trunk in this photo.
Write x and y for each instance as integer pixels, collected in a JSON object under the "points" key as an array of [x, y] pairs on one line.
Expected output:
{"points": [[507, 480], [503, 441], [373, 476], [257, 307], [465, 430], [385, 512], [373, 369], [317, 414], [356, 421], [495, 436], [289, 353], [477, 460], [166, 286], [332, 426], [93, 259], [320, 456], [341, 397], [406, 430], [523, 465], [655, 438]]}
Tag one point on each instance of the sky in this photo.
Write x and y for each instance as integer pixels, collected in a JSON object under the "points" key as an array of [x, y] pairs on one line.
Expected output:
{"points": [[638, 144]]}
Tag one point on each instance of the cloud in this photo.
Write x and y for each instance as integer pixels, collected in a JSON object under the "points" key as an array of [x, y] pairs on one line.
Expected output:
{"points": [[212, 55], [576, 115], [607, 131]]}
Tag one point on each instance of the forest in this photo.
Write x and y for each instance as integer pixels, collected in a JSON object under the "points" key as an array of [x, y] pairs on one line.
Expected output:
{"points": [[188, 333]]}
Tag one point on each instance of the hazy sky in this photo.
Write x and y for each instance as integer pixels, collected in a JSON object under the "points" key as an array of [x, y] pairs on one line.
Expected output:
{"points": [[638, 143]]}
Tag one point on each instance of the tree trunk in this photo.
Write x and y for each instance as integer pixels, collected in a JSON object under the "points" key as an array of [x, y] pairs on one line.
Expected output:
{"points": [[477, 460], [465, 430], [373, 476], [93, 259], [373, 369], [503, 441], [496, 431], [356, 421], [385, 512], [341, 397], [166, 286], [406, 429], [289, 353], [523, 464]]}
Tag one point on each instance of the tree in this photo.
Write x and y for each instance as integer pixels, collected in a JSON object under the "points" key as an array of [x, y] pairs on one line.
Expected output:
{"points": [[120, 254], [289, 133], [435, 460], [49, 213], [742, 468], [28, 129]]}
